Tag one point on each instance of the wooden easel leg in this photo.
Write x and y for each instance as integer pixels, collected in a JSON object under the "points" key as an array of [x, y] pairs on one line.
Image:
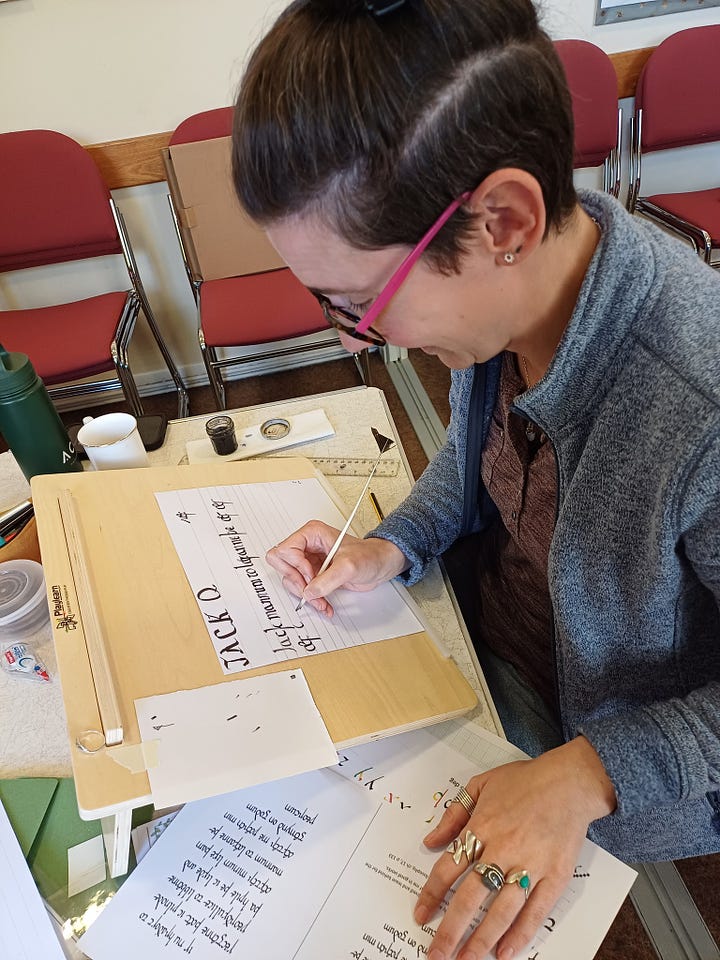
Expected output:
{"points": [[116, 835]]}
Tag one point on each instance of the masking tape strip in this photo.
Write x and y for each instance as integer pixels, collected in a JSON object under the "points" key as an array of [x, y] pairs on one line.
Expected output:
{"points": [[187, 217], [136, 757]]}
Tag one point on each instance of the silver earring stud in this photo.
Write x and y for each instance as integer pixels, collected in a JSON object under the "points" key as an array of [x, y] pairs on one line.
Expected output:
{"points": [[509, 257]]}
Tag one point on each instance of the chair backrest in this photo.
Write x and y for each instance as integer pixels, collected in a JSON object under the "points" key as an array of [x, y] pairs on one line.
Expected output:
{"points": [[54, 203], [204, 126], [679, 90], [592, 81]]}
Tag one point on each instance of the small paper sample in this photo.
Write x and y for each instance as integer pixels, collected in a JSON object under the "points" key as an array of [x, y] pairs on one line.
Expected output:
{"points": [[232, 735], [147, 834], [86, 865], [222, 534], [26, 932], [253, 441]]}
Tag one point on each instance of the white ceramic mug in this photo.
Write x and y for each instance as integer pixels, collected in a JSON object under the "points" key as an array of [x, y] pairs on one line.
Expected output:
{"points": [[112, 442]]}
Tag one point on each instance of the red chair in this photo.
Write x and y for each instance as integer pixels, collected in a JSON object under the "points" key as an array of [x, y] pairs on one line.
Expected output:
{"points": [[56, 208], [677, 104], [262, 302], [592, 81]]}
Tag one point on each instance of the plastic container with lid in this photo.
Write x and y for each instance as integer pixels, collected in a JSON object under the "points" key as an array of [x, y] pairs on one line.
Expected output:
{"points": [[23, 602]]}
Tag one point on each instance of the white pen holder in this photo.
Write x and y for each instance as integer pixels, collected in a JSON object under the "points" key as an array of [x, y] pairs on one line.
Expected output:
{"points": [[304, 428]]}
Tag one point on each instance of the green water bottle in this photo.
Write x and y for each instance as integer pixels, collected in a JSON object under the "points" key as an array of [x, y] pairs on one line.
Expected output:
{"points": [[29, 422]]}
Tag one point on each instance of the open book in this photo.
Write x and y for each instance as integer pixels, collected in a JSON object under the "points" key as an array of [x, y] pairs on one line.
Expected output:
{"points": [[328, 865]]}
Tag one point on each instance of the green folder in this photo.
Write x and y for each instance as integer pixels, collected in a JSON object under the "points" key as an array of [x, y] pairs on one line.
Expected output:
{"points": [[43, 813], [26, 802]]}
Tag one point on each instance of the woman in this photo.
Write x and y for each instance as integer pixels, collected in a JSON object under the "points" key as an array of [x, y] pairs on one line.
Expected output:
{"points": [[412, 163]]}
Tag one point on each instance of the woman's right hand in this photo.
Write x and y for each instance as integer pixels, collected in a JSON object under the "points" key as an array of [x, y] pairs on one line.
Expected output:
{"points": [[358, 565]]}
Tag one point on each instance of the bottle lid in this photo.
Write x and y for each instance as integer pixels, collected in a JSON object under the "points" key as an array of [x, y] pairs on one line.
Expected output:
{"points": [[16, 373]]}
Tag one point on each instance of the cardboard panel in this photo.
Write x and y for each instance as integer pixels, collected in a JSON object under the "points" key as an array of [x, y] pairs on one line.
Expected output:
{"points": [[220, 239]]}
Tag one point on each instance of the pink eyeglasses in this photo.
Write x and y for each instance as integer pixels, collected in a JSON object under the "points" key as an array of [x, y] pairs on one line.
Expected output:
{"points": [[361, 327]]}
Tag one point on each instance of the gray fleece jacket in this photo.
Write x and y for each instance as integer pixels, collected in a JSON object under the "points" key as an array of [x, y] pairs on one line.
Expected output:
{"points": [[631, 404]]}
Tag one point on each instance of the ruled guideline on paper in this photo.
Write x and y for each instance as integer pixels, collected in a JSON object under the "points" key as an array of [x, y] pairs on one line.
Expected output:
{"points": [[222, 534]]}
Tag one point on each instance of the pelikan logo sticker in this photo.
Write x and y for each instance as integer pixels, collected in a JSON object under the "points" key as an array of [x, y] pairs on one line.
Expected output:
{"points": [[63, 616]]}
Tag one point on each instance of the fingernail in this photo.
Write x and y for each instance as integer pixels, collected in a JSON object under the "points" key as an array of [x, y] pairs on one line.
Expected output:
{"points": [[421, 914], [431, 834], [436, 954], [505, 953]]}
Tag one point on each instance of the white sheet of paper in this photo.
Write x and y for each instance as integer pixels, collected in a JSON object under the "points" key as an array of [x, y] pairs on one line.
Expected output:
{"points": [[188, 890], [232, 735], [417, 774], [390, 867], [304, 428], [411, 771], [86, 865], [239, 875], [222, 534], [26, 932]]}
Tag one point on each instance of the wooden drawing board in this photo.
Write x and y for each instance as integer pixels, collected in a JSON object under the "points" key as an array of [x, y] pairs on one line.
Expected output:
{"points": [[156, 639]]}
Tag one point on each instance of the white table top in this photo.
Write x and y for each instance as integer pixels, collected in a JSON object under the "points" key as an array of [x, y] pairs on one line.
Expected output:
{"points": [[33, 739]]}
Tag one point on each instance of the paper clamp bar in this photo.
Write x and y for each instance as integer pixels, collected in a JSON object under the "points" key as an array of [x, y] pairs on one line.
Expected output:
{"points": [[94, 641]]}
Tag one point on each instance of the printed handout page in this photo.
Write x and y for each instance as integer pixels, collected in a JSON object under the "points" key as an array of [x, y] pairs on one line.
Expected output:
{"points": [[232, 735], [417, 774], [240, 875], [301, 870], [222, 534], [26, 931], [390, 867]]}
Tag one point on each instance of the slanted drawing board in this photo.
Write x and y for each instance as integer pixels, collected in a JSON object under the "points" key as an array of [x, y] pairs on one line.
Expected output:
{"points": [[156, 639]]}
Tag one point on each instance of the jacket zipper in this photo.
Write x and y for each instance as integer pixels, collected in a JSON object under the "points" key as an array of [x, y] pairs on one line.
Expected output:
{"points": [[556, 682]]}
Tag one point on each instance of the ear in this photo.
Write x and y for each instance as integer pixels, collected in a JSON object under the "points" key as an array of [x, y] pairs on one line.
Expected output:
{"points": [[510, 212]]}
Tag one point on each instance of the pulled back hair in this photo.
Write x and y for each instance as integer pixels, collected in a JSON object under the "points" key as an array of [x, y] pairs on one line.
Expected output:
{"points": [[375, 124]]}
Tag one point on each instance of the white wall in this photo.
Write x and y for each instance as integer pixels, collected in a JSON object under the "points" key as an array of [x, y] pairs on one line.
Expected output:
{"points": [[575, 19], [99, 71]]}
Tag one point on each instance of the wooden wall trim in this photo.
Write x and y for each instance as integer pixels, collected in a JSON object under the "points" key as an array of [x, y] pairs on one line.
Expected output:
{"points": [[137, 160], [131, 162], [628, 67]]}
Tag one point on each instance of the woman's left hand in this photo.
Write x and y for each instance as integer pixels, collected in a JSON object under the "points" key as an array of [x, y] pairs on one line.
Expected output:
{"points": [[531, 815]]}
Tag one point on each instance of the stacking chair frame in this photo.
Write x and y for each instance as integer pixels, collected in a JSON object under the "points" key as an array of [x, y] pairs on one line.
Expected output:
{"points": [[699, 238], [593, 87], [121, 342], [135, 301], [214, 364], [612, 169], [213, 123]]}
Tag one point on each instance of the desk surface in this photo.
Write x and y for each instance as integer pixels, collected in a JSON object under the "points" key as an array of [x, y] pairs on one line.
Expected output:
{"points": [[33, 740]]}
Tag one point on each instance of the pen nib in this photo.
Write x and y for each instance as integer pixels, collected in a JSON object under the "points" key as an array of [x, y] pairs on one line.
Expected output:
{"points": [[384, 443]]}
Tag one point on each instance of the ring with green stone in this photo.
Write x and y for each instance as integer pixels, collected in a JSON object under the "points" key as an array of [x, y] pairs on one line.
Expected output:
{"points": [[522, 879]]}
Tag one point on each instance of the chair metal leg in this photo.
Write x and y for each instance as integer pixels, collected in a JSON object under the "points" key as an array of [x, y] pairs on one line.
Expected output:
{"points": [[118, 349], [210, 359], [131, 264]]}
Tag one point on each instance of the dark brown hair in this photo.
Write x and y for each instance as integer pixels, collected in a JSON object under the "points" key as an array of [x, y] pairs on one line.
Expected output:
{"points": [[376, 123]]}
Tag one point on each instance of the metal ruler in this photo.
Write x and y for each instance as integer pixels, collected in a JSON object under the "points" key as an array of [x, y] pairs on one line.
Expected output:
{"points": [[355, 466]]}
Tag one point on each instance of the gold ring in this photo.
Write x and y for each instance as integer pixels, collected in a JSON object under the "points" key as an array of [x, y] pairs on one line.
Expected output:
{"points": [[470, 846], [522, 879], [464, 799]]}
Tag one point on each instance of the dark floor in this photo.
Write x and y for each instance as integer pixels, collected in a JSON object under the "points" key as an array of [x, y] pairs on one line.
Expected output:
{"points": [[626, 939]]}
